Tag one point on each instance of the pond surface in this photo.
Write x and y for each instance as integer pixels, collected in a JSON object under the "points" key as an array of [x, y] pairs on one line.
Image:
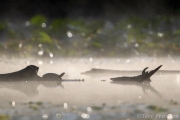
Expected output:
{"points": [[94, 91]]}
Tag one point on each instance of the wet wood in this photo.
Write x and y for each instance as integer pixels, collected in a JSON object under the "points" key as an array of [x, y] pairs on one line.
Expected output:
{"points": [[145, 76], [96, 72]]}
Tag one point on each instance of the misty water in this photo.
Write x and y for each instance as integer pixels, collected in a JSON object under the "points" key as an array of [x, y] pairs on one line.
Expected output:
{"points": [[94, 91]]}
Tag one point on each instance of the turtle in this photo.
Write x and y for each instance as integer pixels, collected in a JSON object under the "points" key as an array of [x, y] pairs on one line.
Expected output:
{"points": [[53, 76]]}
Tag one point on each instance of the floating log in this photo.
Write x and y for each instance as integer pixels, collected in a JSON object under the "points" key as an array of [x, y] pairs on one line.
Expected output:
{"points": [[142, 80], [30, 72], [96, 72], [145, 76]]}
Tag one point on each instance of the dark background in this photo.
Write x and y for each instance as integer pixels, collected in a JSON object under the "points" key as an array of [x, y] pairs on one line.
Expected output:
{"points": [[110, 28], [87, 8]]}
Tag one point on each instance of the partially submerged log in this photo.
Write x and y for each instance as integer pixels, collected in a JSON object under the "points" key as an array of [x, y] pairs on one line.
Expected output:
{"points": [[145, 76], [30, 72], [142, 80], [96, 72]]}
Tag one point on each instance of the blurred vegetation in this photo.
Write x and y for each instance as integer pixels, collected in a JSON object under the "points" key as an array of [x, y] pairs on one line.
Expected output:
{"points": [[156, 108], [4, 117], [80, 37]]}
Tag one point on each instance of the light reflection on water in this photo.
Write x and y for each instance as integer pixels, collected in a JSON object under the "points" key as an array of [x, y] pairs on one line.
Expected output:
{"points": [[178, 79], [93, 90]]}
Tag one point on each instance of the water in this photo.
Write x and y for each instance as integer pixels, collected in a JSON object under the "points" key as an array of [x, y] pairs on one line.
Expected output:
{"points": [[93, 91]]}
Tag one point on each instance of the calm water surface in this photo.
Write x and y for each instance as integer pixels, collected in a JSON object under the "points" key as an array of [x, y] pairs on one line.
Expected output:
{"points": [[92, 91]]}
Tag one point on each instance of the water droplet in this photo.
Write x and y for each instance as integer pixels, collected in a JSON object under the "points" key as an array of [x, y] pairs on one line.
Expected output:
{"points": [[140, 97], [26, 81], [51, 62], [89, 109], [127, 61], [85, 116], [40, 62], [51, 55], [27, 23], [43, 25], [69, 34], [41, 52], [129, 26], [65, 105], [136, 45], [91, 59], [160, 34], [20, 45], [40, 45], [178, 79], [169, 117], [58, 115], [45, 116], [13, 103]]}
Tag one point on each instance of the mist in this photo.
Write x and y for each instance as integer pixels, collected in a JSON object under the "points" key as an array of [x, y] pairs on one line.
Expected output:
{"points": [[91, 42]]}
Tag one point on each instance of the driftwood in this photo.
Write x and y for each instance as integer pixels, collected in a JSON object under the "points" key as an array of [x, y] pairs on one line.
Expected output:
{"points": [[142, 80], [96, 72], [145, 76], [30, 74]]}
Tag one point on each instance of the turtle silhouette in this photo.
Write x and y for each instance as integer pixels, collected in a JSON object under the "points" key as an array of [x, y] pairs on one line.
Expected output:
{"points": [[52, 76], [29, 73]]}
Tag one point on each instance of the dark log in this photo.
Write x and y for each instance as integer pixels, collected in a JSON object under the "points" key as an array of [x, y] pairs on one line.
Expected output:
{"points": [[145, 76], [96, 72], [30, 72]]}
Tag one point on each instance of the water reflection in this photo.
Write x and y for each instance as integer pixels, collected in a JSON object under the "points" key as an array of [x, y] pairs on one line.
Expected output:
{"points": [[94, 90], [144, 85], [30, 87], [178, 79]]}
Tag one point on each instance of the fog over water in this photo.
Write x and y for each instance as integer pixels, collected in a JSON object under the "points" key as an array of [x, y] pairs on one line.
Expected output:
{"points": [[93, 90]]}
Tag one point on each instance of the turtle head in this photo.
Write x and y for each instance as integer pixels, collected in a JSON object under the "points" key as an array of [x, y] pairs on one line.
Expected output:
{"points": [[60, 76]]}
